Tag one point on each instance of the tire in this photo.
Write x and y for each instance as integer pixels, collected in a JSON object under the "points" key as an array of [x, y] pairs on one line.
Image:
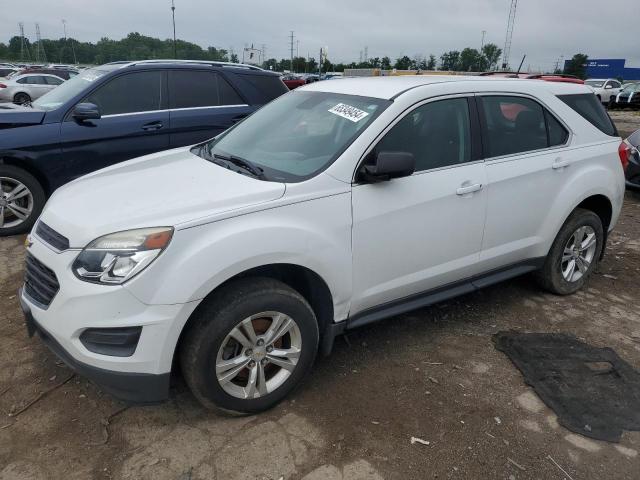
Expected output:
{"points": [[21, 98], [556, 275], [28, 204], [207, 343]]}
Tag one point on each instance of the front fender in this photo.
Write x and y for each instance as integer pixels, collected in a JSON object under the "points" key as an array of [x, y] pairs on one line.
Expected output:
{"points": [[315, 234]]}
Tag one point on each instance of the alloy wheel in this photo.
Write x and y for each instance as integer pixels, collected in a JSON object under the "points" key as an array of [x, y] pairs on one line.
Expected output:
{"points": [[578, 253], [258, 355], [16, 202]]}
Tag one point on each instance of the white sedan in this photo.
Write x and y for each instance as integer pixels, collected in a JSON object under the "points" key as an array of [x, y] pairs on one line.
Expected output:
{"points": [[22, 89]]}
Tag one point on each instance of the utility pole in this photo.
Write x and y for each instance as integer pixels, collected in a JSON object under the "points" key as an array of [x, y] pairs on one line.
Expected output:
{"points": [[366, 54], [484, 32], [73, 50], [40, 47], [291, 45], [264, 53], [297, 48], [173, 18], [21, 27]]}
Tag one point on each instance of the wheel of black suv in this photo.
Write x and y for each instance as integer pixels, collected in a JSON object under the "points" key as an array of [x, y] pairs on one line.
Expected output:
{"points": [[21, 200], [574, 254], [249, 345], [21, 99]]}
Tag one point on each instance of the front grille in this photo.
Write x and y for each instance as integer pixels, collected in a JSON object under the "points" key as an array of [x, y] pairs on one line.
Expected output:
{"points": [[53, 238], [40, 283]]}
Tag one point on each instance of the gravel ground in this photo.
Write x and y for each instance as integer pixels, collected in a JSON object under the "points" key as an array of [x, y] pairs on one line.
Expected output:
{"points": [[432, 374]]}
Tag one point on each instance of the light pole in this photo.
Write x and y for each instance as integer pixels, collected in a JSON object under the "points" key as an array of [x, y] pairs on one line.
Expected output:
{"points": [[173, 16]]}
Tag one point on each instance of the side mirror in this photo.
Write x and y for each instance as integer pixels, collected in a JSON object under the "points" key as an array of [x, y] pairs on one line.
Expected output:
{"points": [[608, 87], [86, 111], [388, 165]]}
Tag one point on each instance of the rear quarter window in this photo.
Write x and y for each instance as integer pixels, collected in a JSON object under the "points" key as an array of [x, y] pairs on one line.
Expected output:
{"points": [[590, 108], [262, 87]]}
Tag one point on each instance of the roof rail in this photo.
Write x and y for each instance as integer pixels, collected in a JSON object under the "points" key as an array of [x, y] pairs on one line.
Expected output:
{"points": [[197, 62]]}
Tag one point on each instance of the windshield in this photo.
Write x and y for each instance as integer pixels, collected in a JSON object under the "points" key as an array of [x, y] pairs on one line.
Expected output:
{"points": [[632, 87], [297, 135], [68, 89], [594, 83]]}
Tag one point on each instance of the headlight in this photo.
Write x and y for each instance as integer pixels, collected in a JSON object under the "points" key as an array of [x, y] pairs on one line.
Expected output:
{"points": [[117, 257]]}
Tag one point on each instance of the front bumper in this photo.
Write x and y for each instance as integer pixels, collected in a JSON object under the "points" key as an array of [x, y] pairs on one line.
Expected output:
{"points": [[143, 376], [138, 388]]}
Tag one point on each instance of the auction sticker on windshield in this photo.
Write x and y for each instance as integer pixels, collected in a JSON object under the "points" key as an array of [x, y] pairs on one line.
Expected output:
{"points": [[347, 111]]}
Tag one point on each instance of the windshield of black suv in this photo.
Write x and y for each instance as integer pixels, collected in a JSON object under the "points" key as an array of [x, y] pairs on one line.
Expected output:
{"points": [[294, 137], [68, 90]]}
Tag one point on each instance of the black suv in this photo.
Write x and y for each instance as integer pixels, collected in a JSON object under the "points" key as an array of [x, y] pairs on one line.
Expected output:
{"points": [[116, 112]]}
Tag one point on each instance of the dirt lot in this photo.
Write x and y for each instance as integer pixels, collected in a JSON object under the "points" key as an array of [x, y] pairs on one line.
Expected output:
{"points": [[432, 374]]}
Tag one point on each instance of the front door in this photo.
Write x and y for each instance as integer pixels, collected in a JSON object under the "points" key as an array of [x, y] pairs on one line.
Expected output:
{"points": [[417, 233], [134, 122]]}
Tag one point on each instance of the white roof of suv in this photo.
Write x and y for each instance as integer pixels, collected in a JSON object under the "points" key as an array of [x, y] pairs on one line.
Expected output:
{"points": [[390, 87]]}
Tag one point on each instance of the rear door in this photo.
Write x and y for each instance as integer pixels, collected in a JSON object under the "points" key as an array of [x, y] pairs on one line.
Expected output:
{"points": [[202, 105], [526, 165], [134, 122], [38, 86]]}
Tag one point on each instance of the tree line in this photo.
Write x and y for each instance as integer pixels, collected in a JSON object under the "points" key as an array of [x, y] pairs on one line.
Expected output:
{"points": [[136, 46]]}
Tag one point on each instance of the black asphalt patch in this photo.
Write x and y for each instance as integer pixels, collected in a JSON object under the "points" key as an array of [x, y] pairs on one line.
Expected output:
{"points": [[592, 390]]}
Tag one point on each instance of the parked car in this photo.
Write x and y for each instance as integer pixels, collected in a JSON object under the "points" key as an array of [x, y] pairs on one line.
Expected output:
{"points": [[293, 81], [116, 112], [63, 73], [629, 96], [548, 77], [6, 71], [606, 89], [26, 87], [7, 65], [337, 205], [632, 173]]}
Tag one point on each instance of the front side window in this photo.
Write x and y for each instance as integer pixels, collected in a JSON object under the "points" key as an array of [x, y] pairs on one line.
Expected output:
{"points": [[513, 125], [190, 89], [129, 93], [438, 134], [296, 136], [68, 90]]}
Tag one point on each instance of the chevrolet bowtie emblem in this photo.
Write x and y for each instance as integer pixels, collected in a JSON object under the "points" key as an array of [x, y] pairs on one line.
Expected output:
{"points": [[28, 242]]}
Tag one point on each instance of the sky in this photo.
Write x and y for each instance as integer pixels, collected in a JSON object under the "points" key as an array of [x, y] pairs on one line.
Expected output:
{"points": [[544, 30]]}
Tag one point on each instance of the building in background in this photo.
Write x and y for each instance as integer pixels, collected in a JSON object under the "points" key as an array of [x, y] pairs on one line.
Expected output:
{"points": [[610, 68]]}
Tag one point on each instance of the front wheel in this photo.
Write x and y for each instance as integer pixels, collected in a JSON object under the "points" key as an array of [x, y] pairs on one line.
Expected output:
{"points": [[21, 200], [574, 254], [249, 345]]}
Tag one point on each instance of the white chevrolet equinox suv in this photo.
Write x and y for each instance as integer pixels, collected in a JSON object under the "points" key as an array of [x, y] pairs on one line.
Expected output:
{"points": [[338, 204]]}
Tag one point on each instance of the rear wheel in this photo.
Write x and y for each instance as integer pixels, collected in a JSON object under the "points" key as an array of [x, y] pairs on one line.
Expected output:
{"points": [[249, 345], [21, 200], [21, 99], [574, 254]]}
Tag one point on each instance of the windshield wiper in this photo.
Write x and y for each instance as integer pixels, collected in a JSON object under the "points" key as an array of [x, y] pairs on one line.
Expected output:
{"points": [[253, 169]]}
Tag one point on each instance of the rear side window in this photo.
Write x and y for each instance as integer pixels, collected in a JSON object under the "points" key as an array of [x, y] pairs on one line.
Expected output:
{"points": [[190, 89], [133, 92], [513, 125], [438, 134], [590, 108], [53, 80], [266, 87]]}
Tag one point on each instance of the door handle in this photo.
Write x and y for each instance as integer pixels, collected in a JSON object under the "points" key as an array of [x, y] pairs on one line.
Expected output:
{"points": [[469, 189], [560, 164], [152, 126]]}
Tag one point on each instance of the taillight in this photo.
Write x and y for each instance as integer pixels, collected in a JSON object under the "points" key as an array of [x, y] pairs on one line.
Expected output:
{"points": [[2, 85], [624, 150]]}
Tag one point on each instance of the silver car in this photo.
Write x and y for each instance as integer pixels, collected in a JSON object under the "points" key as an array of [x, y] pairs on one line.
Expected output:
{"points": [[24, 88]]}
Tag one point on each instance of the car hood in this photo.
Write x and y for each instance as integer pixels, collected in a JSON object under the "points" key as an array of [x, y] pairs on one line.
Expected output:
{"points": [[162, 189], [16, 115]]}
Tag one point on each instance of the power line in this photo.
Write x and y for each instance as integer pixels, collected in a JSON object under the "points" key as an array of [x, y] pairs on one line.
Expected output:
{"points": [[291, 51]]}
